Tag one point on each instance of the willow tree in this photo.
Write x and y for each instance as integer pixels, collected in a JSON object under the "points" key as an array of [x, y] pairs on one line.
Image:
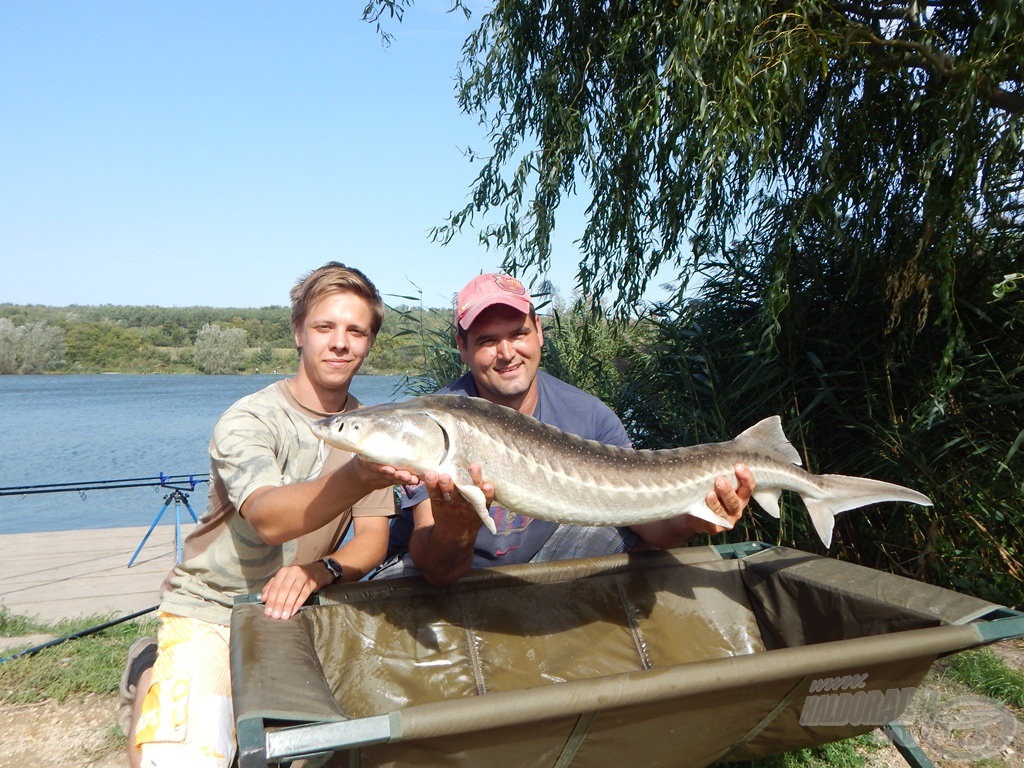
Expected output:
{"points": [[683, 122], [689, 125], [725, 135]]}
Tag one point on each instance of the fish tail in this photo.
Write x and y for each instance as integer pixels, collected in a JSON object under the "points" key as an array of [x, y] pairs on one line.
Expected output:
{"points": [[842, 493]]}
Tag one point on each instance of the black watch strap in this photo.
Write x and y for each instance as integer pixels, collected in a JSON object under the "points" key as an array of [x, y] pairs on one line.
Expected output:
{"points": [[334, 567]]}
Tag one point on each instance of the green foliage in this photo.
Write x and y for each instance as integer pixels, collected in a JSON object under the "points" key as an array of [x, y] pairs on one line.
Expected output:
{"points": [[8, 346], [984, 672], [855, 401], [690, 123], [389, 353], [101, 346], [849, 753], [580, 347], [589, 351], [30, 348], [126, 339], [165, 326], [90, 664], [15, 625], [264, 356], [705, 369], [219, 350], [428, 338]]}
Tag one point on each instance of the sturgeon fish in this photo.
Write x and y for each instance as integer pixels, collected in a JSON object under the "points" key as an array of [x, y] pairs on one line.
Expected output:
{"points": [[546, 473]]}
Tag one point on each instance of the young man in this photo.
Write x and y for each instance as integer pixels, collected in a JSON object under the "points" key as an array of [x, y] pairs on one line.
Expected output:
{"points": [[440, 536], [280, 503]]}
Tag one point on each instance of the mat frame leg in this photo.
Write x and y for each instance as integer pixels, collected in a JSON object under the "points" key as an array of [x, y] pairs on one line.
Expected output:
{"points": [[907, 745]]}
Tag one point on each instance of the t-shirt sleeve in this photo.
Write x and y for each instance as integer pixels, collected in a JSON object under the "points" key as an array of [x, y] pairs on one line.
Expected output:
{"points": [[580, 413], [243, 455], [609, 429], [412, 495], [379, 503]]}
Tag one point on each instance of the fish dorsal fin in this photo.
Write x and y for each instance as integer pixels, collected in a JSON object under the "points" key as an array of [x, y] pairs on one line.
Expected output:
{"points": [[767, 437]]}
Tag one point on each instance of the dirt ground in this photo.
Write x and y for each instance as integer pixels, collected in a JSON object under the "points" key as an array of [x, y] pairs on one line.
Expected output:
{"points": [[946, 720], [81, 731]]}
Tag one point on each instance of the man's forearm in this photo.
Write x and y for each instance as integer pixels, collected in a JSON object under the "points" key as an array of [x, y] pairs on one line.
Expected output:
{"points": [[723, 500], [283, 513], [365, 549], [443, 554]]}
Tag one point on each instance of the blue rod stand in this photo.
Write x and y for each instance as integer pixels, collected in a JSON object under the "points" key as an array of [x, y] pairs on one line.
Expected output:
{"points": [[179, 497]]}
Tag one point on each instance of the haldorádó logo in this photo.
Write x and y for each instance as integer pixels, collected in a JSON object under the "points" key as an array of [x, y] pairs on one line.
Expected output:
{"points": [[859, 708], [965, 727]]}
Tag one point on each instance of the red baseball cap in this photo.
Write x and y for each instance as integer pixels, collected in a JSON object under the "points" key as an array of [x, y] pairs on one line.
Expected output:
{"points": [[485, 291]]}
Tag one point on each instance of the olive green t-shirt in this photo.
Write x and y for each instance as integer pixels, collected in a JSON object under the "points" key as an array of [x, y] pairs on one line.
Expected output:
{"points": [[263, 440]]}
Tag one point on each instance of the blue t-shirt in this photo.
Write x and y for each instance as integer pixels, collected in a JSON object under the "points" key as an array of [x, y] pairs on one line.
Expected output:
{"points": [[519, 536]]}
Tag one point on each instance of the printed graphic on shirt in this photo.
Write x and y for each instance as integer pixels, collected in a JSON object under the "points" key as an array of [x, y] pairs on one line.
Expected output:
{"points": [[506, 521]]}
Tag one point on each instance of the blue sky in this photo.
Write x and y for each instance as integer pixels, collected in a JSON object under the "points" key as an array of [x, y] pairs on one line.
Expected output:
{"points": [[210, 153]]}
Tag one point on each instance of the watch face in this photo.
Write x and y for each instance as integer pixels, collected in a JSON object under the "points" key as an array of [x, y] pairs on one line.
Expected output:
{"points": [[333, 566]]}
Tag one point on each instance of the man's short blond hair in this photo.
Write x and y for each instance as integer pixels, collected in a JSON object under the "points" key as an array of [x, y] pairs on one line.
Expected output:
{"points": [[335, 277]]}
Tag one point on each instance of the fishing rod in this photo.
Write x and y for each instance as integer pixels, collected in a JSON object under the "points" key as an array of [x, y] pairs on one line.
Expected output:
{"points": [[76, 635], [176, 482]]}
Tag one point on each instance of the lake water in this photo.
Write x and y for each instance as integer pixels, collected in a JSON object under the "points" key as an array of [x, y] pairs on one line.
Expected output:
{"points": [[80, 430]]}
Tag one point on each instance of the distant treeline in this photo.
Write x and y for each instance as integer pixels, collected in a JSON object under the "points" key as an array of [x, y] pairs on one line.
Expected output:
{"points": [[134, 339]]}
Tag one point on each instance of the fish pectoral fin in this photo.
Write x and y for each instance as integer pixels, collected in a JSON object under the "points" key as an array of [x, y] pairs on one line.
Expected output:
{"points": [[476, 498], [768, 500], [700, 509]]}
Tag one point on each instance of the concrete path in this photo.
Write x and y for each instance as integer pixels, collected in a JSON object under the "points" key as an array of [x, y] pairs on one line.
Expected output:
{"points": [[61, 574]]}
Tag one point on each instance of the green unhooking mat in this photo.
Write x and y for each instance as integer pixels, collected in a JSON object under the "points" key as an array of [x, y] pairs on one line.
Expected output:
{"points": [[678, 658]]}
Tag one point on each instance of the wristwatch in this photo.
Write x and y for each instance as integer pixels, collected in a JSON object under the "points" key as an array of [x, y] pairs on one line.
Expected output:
{"points": [[333, 567]]}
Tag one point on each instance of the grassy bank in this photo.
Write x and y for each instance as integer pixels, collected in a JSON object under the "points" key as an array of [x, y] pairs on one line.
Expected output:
{"points": [[90, 664]]}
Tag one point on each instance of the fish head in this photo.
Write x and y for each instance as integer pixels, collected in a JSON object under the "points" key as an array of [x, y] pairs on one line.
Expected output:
{"points": [[388, 434]]}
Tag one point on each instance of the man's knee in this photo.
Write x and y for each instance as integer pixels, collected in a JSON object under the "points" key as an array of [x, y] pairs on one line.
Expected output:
{"points": [[201, 734], [569, 542]]}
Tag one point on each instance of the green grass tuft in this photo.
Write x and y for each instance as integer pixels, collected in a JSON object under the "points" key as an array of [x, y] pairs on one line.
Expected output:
{"points": [[849, 753], [90, 664], [15, 626], [985, 673]]}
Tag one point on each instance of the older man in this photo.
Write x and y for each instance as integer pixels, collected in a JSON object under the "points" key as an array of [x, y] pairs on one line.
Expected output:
{"points": [[439, 535]]}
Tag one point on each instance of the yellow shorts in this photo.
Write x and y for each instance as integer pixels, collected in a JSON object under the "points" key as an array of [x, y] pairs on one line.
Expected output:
{"points": [[187, 717]]}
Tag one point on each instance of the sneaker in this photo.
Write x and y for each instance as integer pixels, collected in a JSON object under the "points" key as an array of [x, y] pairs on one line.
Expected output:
{"points": [[141, 656]]}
